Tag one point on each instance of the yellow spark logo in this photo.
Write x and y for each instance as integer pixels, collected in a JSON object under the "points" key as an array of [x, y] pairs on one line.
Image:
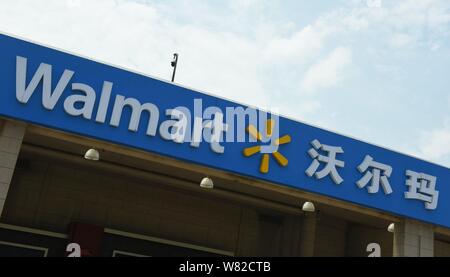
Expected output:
{"points": [[249, 151]]}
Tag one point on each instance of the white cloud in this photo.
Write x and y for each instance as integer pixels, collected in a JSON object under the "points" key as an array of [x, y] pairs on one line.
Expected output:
{"points": [[239, 5], [139, 36], [355, 22], [329, 71], [142, 36], [435, 144], [301, 47], [400, 40], [302, 109], [374, 3], [431, 13], [412, 23]]}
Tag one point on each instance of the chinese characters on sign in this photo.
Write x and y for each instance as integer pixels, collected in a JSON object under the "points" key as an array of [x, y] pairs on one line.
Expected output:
{"points": [[421, 186], [330, 160], [374, 175]]}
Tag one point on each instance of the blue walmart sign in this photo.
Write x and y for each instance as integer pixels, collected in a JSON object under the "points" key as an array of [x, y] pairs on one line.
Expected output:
{"points": [[62, 91]]}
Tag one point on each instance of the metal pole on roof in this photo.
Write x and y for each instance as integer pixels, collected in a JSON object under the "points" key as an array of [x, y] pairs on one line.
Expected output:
{"points": [[174, 65]]}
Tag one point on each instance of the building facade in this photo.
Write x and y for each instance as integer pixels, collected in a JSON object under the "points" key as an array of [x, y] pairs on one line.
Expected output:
{"points": [[142, 196]]}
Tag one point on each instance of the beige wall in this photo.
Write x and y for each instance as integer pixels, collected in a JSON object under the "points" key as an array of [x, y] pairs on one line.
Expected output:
{"points": [[359, 236], [441, 248], [413, 239], [11, 135], [49, 194], [330, 237]]}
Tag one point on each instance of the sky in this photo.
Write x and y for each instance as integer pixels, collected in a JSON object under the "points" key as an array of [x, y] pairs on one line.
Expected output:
{"points": [[375, 70]]}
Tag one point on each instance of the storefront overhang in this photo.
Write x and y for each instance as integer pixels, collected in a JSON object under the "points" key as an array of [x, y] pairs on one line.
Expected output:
{"points": [[143, 123]]}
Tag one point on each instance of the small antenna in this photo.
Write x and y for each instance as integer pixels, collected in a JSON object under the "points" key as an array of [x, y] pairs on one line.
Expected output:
{"points": [[174, 65]]}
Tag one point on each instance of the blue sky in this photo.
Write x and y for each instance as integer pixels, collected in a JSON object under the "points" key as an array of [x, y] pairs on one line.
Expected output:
{"points": [[376, 70]]}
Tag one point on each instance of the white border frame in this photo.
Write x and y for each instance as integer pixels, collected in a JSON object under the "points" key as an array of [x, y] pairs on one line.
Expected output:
{"points": [[169, 242], [123, 234], [26, 246], [33, 231], [127, 254]]}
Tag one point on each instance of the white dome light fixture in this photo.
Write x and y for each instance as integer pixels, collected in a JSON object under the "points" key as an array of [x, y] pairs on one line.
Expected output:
{"points": [[207, 183], [391, 228], [92, 155], [308, 207]]}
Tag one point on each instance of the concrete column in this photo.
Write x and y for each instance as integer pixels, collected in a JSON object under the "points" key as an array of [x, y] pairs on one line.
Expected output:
{"points": [[248, 234], [11, 135], [290, 237], [413, 239], [308, 235]]}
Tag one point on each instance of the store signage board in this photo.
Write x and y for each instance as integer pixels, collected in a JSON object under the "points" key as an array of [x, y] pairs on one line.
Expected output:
{"points": [[51, 88]]}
